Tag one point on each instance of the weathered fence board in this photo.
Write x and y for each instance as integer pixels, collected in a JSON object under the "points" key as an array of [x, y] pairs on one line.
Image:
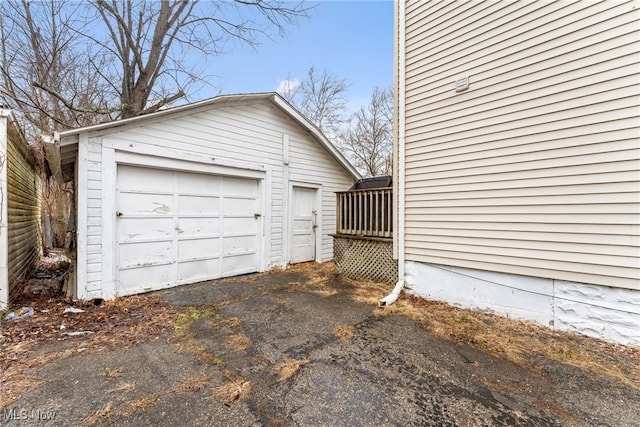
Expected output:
{"points": [[367, 213]]}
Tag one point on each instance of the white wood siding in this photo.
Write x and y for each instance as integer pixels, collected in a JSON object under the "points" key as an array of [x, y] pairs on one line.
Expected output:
{"points": [[535, 169], [246, 133], [310, 163], [94, 222]]}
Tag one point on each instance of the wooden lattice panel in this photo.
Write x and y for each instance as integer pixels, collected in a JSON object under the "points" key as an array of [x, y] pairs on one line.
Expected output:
{"points": [[367, 259]]}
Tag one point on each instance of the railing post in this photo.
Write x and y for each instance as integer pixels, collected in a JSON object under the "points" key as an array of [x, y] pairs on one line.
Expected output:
{"points": [[340, 210], [365, 212]]}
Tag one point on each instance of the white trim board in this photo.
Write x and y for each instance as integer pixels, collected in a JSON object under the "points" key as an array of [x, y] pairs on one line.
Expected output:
{"points": [[4, 213]]}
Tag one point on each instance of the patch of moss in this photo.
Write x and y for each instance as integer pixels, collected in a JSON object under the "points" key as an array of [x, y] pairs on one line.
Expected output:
{"points": [[189, 316]]}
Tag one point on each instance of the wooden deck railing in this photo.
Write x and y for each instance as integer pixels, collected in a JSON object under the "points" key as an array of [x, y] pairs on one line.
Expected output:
{"points": [[367, 213]]}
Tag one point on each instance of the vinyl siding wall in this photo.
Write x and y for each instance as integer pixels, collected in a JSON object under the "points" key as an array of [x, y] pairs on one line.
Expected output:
{"points": [[252, 133], [20, 229], [24, 220], [535, 169]]}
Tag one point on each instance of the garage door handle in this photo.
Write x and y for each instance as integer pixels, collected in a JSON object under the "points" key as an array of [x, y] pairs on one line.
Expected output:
{"points": [[118, 214], [257, 215]]}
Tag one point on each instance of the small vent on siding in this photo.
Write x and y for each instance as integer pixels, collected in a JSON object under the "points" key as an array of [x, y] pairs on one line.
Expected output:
{"points": [[462, 84]]}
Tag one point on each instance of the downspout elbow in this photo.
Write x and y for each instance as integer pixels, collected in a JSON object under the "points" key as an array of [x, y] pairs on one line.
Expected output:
{"points": [[393, 296]]}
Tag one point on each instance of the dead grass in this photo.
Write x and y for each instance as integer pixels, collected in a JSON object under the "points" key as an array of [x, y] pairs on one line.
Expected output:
{"points": [[323, 292], [97, 416], [517, 340], [185, 343], [282, 301], [19, 384], [232, 391], [123, 388], [230, 321], [317, 274], [193, 384], [141, 404], [33, 342], [13, 378], [368, 292], [345, 333], [237, 342], [315, 279], [113, 373], [289, 368]]}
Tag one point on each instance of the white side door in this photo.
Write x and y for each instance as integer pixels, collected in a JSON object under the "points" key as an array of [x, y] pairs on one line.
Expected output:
{"points": [[304, 225]]}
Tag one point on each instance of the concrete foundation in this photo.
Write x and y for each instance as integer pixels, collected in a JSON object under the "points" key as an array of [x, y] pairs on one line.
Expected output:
{"points": [[612, 314]]}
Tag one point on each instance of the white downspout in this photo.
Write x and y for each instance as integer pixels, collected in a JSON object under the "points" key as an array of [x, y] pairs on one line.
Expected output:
{"points": [[395, 293]]}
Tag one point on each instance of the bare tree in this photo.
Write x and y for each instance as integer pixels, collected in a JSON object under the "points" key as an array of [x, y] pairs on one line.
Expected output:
{"points": [[150, 39], [120, 58], [366, 137], [42, 65], [322, 99], [141, 37], [368, 141], [45, 70]]}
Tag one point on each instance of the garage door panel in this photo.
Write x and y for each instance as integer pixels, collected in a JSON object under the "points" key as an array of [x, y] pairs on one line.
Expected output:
{"points": [[198, 205], [239, 245], [199, 226], [132, 203], [239, 264], [179, 227], [195, 183], [144, 179], [240, 206], [235, 226], [144, 253], [235, 186], [199, 248], [144, 228], [143, 279], [192, 271]]}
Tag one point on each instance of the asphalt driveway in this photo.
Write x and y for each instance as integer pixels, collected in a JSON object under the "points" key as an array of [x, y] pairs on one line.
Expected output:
{"points": [[296, 348]]}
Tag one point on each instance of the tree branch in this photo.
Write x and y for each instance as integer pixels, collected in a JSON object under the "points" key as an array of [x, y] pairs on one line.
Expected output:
{"points": [[70, 105], [168, 100]]}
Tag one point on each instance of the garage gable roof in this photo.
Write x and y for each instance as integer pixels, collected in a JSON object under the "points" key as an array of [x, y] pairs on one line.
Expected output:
{"points": [[274, 97]]}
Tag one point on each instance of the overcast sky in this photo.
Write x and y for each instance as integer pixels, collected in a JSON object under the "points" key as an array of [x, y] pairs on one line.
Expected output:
{"points": [[351, 39]]}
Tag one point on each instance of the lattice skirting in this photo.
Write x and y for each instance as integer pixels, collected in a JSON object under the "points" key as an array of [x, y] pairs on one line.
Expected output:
{"points": [[367, 259]]}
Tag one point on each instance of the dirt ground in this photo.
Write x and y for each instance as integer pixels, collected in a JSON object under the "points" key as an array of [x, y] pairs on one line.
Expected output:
{"points": [[303, 347]]}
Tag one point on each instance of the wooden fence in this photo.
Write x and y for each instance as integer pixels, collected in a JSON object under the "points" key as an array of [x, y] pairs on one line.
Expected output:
{"points": [[367, 213]]}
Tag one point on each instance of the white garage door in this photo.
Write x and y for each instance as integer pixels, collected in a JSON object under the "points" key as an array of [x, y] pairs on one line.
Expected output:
{"points": [[175, 227]]}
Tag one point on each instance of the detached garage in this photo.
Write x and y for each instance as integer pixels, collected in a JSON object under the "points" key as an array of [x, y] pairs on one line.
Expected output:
{"points": [[226, 186]]}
